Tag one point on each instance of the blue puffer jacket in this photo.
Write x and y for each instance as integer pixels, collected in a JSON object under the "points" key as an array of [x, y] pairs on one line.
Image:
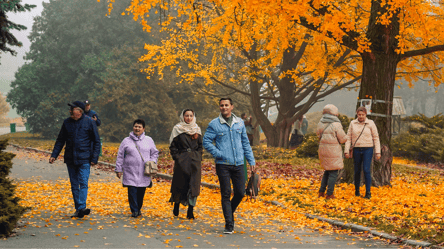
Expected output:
{"points": [[82, 141], [92, 113], [231, 142]]}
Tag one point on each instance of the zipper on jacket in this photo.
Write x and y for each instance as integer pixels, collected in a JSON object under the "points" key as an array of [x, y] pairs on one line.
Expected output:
{"points": [[143, 163]]}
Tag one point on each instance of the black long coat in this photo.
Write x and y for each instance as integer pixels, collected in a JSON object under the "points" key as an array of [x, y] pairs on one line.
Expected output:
{"points": [[187, 156]]}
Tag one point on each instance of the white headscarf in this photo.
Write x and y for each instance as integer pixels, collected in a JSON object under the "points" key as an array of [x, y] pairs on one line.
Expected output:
{"points": [[182, 127]]}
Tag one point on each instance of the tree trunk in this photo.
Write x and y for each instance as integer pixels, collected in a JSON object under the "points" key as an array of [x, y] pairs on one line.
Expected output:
{"points": [[378, 80]]}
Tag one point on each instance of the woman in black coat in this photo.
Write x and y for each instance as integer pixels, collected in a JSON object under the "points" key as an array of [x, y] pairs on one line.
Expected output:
{"points": [[186, 150]]}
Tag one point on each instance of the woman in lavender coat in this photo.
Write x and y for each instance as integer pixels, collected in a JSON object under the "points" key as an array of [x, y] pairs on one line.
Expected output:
{"points": [[130, 164]]}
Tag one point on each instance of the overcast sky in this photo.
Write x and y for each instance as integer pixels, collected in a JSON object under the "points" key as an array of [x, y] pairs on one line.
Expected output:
{"points": [[10, 64]]}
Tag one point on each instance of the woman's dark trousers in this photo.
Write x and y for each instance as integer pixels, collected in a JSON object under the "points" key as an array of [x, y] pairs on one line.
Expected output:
{"points": [[362, 158], [135, 198], [329, 179]]}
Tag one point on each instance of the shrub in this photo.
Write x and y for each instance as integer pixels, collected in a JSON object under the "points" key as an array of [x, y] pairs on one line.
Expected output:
{"points": [[425, 147], [10, 209], [309, 147], [423, 144]]}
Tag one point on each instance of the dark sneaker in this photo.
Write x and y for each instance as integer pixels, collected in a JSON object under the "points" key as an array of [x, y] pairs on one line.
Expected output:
{"points": [[76, 214], [228, 231], [139, 214], [367, 196], [86, 211]]}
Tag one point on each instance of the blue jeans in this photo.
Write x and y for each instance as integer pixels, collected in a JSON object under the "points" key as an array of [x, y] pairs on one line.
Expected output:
{"points": [[236, 175], [329, 179], [362, 157], [135, 198], [78, 176]]}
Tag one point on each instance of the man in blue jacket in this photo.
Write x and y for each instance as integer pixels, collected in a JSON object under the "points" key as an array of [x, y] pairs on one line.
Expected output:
{"points": [[231, 145], [79, 133], [92, 113]]}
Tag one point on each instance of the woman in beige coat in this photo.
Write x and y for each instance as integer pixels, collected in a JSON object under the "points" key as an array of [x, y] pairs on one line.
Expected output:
{"points": [[331, 135], [363, 135]]}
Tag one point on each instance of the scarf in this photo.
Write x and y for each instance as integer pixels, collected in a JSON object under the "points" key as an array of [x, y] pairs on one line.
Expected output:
{"points": [[329, 118], [182, 127]]}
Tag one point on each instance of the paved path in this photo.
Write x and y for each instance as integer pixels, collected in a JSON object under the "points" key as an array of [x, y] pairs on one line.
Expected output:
{"points": [[118, 230]]}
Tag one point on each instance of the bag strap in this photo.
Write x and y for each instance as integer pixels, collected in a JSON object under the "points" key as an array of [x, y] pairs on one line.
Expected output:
{"points": [[359, 135], [143, 160], [323, 131]]}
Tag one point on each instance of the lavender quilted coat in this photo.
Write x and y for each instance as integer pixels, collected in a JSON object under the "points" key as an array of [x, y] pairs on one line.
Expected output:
{"points": [[130, 162]]}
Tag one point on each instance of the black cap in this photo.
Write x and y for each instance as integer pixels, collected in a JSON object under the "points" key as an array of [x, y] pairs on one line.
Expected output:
{"points": [[86, 102], [79, 104]]}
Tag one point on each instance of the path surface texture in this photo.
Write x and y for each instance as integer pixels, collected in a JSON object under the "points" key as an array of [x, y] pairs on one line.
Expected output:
{"points": [[45, 188]]}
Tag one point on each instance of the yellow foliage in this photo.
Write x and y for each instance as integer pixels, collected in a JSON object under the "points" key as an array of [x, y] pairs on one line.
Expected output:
{"points": [[219, 27]]}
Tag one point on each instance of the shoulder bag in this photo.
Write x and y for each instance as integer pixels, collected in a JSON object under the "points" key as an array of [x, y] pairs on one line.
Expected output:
{"points": [[150, 166], [350, 152]]}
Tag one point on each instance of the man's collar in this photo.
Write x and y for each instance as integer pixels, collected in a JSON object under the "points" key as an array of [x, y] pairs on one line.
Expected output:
{"points": [[222, 119], [83, 115]]}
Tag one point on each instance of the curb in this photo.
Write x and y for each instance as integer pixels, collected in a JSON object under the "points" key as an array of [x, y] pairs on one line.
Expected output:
{"points": [[354, 227], [159, 175]]}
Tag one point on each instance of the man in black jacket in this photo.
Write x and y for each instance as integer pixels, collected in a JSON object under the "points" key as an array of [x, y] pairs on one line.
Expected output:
{"points": [[91, 113], [79, 133]]}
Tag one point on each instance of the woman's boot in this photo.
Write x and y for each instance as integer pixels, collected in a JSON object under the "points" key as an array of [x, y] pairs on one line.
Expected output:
{"points": [[190, 214], [176, 209]]}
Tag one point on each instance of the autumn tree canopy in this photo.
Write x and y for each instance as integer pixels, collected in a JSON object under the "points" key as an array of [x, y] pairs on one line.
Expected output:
{"points": [[390, 39], [4, 108], [224, 45]]}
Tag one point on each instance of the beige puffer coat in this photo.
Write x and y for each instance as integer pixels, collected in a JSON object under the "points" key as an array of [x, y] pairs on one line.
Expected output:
{"points": [[369, 137], [330, 150]]}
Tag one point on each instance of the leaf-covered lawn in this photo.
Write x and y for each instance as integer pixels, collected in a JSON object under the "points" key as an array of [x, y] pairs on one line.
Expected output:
{"points": [[413, 207]]}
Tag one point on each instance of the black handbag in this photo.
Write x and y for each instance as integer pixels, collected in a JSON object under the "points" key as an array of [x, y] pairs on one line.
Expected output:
{"points": [[253, 185]]}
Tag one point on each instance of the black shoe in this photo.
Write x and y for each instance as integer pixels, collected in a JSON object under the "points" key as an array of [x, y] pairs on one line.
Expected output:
{"points": [[228, 230], [357, 193], [139, 214], [176, 209], [134, 215], [367, 196], [85, 211]]}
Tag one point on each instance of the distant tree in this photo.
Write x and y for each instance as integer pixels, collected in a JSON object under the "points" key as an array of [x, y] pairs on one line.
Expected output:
{"points": [[6, 37], [71, 41], [4, 107], [126, 94]]}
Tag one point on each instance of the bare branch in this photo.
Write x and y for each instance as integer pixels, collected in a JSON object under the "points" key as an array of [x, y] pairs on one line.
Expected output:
{"points": [[423, 51], [230, 87]]}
